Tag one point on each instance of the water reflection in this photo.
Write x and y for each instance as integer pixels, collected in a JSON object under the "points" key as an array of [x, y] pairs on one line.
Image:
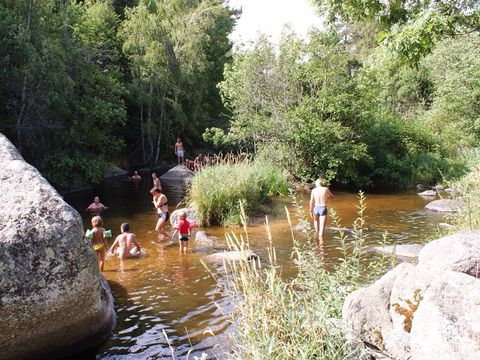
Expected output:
{"points": [[172, 294]]}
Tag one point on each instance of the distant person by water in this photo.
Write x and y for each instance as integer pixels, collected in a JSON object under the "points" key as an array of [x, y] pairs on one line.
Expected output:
{"points": [[156, 183], [96, 207], [126, 245], [135, 177], [183, 227], [199, 162], [179, 151], [318, 208], [99, 242], [160, 202]]}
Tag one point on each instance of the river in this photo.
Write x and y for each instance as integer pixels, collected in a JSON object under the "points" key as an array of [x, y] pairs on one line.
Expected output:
{"points": [[169, 305]]}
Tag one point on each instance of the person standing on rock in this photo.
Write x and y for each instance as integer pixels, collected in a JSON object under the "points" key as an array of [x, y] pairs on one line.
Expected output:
{"points": [[160, 202], [318, 208], [96, 207], [179, 151]]}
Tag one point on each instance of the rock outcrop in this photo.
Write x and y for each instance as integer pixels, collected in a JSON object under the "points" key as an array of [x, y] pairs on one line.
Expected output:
{"points": [[178, 173], [427, 311], [53, 301]]}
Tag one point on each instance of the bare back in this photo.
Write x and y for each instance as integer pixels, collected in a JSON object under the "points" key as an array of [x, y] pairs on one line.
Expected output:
{"points": [[126, 242], [320, 196]]}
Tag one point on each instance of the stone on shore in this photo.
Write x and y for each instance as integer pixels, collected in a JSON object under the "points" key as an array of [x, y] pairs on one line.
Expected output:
{"points": [[427, 311], [428, 193], [443, 205], [53, 300]]}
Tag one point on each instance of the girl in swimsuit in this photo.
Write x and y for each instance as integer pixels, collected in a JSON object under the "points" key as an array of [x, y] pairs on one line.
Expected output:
{"points": [[99, 242], [161, 204]]}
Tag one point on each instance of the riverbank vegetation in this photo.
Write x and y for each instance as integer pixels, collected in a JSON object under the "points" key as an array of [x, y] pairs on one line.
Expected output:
{"points": [[217, 191], [89, 84], [385, 95]]}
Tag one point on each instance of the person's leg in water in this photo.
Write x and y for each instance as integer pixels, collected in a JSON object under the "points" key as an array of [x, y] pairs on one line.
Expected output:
{"points": [[315, 227], [101, 259], [160, 224], [321, 231]]}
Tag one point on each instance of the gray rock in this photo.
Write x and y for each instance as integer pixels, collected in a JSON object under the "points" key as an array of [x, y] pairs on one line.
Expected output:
{"points": [[443, 205], [220, 257], [439, 187], [366, 312], [53, 301], [458, 252], [447, 322], [191, 215], [428, 193], [427, 311], [178, 173], [204, 241], [115, 172], [409, 251], [303, 226]]}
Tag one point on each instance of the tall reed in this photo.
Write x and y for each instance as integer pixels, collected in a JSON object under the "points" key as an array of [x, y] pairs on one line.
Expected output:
{"points": [[297, 318]]}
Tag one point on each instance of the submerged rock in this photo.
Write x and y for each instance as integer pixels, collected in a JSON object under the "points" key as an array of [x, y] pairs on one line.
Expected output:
{"points": [[53, 300], [245, 255]]}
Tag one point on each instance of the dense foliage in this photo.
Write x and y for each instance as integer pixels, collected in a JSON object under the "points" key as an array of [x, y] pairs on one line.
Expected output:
{"points": [[385, 95], [340, 106], [84, 84]]}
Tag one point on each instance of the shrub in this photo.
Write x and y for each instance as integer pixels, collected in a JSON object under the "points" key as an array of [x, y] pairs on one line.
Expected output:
{"points": [[217, 191]]}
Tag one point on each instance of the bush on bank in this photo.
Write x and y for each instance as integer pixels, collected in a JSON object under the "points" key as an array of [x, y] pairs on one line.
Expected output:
{"points": [[218, 190]]}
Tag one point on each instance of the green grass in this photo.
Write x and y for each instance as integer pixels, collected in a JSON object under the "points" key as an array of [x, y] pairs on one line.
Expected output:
{"points": [[218, 190], [277, 318]]}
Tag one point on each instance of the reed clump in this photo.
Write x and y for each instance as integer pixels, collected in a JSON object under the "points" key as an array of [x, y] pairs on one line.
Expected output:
{"points": [[218, 190], [298, 318]]}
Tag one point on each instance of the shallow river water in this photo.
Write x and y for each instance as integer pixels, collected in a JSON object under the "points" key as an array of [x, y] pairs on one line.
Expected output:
{"points": [[169, 305]]}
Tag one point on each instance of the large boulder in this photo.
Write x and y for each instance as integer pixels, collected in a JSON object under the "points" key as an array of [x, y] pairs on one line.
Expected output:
{"points": [[53, 300], [190, 212], [178, 173], [427, 311], [458, 252], [446, 324]]}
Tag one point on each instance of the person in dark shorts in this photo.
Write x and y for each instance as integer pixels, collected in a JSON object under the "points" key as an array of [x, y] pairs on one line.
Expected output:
{"points": [[318, 208], [160, 202]]}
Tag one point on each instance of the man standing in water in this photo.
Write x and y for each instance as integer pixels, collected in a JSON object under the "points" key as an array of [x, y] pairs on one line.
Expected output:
{"points": [[318, 208]]}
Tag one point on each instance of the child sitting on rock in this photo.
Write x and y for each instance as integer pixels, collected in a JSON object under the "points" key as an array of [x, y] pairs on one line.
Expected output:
{"points": [[183, 227]]}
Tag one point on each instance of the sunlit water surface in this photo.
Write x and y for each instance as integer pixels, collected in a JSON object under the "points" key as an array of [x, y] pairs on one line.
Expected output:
{"points": [[169, 305]]}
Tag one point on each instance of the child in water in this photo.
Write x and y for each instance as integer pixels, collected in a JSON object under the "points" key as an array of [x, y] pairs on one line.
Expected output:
{"points": [[99, 243], [183, 227]]}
